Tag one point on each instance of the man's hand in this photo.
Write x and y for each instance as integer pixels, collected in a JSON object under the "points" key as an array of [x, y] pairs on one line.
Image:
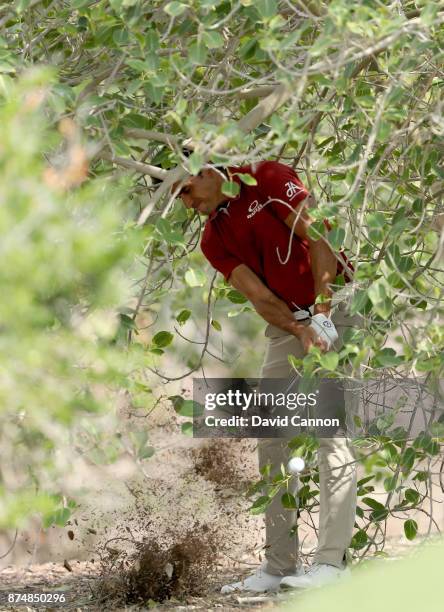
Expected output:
{"points": [[272, 309], [309, 338]]}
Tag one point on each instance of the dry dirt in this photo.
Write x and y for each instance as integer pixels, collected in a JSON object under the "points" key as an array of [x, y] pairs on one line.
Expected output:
{"points": [[164, 534], [167, 534], [81, 588]]}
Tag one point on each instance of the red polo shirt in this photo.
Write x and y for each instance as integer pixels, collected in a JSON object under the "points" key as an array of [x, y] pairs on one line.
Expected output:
{"points": [[251, 229]]}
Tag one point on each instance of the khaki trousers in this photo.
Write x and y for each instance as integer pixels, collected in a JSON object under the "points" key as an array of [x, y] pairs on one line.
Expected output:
{"points": [[337, 470]]}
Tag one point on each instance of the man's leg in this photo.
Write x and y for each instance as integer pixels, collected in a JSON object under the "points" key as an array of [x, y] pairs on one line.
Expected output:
{"points": [[337, 478], [337, 468], [337, 475], [281, 546], [337, 483], [281, 549]]}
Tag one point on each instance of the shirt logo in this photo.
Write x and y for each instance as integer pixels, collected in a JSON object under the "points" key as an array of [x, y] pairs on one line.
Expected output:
{"points": [[292, 190], [254, 208]]}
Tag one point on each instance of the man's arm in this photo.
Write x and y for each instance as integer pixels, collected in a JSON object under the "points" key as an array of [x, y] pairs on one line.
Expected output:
{"points": [[323, 260], [271, 308]]}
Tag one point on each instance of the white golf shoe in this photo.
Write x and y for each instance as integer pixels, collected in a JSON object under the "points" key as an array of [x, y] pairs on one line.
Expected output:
{"points": [[259, 582], [318, 575]]}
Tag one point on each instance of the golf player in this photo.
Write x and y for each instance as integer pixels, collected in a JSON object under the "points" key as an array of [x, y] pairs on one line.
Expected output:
{"points": [[258, 240]]}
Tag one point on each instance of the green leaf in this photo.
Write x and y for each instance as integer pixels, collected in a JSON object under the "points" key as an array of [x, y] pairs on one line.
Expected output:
{"points": [[156, 351], [174, 9], [62, 516], [139, 438], [429, 12], [76, 4], [186, 408], [359, 540], [387, 357], [379, 515], [357, 420], [248, 49], [230, 188], [408, 460], [373, 503], [360, 299], [162, 339], [216, 325], [288, 501], [127, 322], [377, 292], [152, 41], [329, 360], [266, 8], [412, 496], [197, 53], [213, 40], [410, 529], [170, 235], [246, 178], [260, 505], [177, 401], [195, 278], [390, 483], [187, 429], [376, 220], [336, 237], [145, 452], [295, 362], [236, 297], [137, 64], [189, 409], [384, 309], [376, 224], [183, 316], [385, 421], [195, 162], [322, 299], [22, 5], [316, 230], [422, 476], [236, 313]]}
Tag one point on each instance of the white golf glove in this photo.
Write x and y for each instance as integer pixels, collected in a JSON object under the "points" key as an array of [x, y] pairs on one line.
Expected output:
{"points": [[325, 328]]}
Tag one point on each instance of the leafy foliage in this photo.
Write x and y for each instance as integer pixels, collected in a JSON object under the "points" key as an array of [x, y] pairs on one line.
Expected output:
{"points": [[64, 252], [355, 107]]}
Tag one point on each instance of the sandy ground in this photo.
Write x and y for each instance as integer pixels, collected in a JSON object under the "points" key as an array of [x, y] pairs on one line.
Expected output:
{"points": [[187, 486], [79, 586]]}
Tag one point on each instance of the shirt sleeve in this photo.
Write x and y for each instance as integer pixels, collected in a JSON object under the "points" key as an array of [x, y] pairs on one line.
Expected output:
{"points": [[280, 185], [217, 254]]}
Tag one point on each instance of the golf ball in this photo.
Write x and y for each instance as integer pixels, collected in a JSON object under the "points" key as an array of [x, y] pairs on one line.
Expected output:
{"points": [[295, 465]]}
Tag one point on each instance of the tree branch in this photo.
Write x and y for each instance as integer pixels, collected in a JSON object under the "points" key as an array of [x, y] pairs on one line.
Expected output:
{"points": [[140, 167]]}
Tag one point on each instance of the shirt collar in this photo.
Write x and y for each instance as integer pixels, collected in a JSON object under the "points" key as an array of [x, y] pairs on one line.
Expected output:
{"points": [[224, 206]]}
